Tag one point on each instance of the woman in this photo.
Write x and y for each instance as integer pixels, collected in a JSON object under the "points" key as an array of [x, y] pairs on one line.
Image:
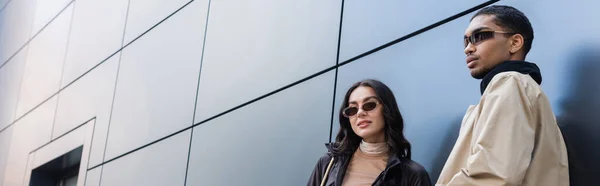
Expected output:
{"points": [[370, 148]]}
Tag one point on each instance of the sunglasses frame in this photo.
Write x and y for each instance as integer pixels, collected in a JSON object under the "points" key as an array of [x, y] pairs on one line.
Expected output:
{"points": [[471, 38], [361, 107]]}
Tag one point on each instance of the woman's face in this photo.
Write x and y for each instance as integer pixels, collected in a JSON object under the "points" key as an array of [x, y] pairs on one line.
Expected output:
{"points": [[368, 122]]}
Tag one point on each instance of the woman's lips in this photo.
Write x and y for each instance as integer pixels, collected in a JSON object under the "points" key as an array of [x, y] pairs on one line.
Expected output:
{"points": [[363, 124]]}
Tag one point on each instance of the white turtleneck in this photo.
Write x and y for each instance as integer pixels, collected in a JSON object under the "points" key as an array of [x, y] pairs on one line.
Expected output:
{"points": [[373, 148]]}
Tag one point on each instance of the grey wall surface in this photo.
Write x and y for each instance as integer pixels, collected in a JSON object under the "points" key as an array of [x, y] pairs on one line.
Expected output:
{"points": [[212, 92]]}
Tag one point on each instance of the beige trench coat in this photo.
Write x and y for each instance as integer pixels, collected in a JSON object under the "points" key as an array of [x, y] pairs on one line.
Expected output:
{"points": [[509, 138]]}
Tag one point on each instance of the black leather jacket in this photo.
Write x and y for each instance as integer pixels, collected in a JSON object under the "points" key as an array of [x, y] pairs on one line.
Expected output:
{"points": [[399, 171]]}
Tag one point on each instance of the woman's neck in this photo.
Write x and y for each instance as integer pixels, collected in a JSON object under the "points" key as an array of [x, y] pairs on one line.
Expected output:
{"points": [[373, 148]]}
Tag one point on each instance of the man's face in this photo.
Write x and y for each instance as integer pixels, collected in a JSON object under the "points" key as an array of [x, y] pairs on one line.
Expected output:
{"points": [[487, 52]]}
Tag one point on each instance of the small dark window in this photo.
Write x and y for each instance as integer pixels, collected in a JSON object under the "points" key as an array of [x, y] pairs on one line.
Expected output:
{"points": [[61, 171]]}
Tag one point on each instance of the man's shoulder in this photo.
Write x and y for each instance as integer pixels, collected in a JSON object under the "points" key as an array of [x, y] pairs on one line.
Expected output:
{"points": [[515, 83], [517, 80], [524, 79]]}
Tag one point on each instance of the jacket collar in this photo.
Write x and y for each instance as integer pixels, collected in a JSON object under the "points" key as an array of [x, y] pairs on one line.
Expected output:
{"points": [[522, 67]]}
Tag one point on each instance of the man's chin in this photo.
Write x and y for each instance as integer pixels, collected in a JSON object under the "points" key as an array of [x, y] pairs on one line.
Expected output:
{"points": [[477, 74]]}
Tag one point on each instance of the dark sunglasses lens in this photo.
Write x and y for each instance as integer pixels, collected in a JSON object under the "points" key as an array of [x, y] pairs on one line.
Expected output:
{"points": [[478, 37], [369, 106], [350, 111]]}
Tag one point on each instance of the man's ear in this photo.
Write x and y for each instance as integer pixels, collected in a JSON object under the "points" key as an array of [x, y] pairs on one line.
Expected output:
{"points": [[516, 43]]}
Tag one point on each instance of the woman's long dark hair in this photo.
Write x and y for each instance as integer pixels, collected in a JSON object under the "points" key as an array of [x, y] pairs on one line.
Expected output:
{"points": [[347, 141]]}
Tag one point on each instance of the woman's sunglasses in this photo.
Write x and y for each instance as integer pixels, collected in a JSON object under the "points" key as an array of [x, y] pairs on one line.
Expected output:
{"points": [[352, 110], [478, 37]]}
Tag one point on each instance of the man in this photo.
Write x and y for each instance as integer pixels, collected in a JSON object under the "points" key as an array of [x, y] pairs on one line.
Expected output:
{"points": [[511, 136]]}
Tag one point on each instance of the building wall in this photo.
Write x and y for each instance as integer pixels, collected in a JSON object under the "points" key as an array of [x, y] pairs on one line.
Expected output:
{"points": [[223, 92]]}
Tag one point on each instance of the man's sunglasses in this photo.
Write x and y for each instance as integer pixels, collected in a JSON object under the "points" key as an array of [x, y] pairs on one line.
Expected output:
{"points": [[478, 37], [352, 110]]}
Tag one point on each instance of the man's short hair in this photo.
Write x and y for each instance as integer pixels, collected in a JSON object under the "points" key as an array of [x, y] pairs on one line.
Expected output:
{"points": [[511, 20]]}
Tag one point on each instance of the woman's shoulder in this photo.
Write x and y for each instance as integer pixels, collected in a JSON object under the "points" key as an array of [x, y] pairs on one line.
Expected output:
{"points": [[414, 173], [327, 156], [413, 166], [409, 172], [333, 149]]}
